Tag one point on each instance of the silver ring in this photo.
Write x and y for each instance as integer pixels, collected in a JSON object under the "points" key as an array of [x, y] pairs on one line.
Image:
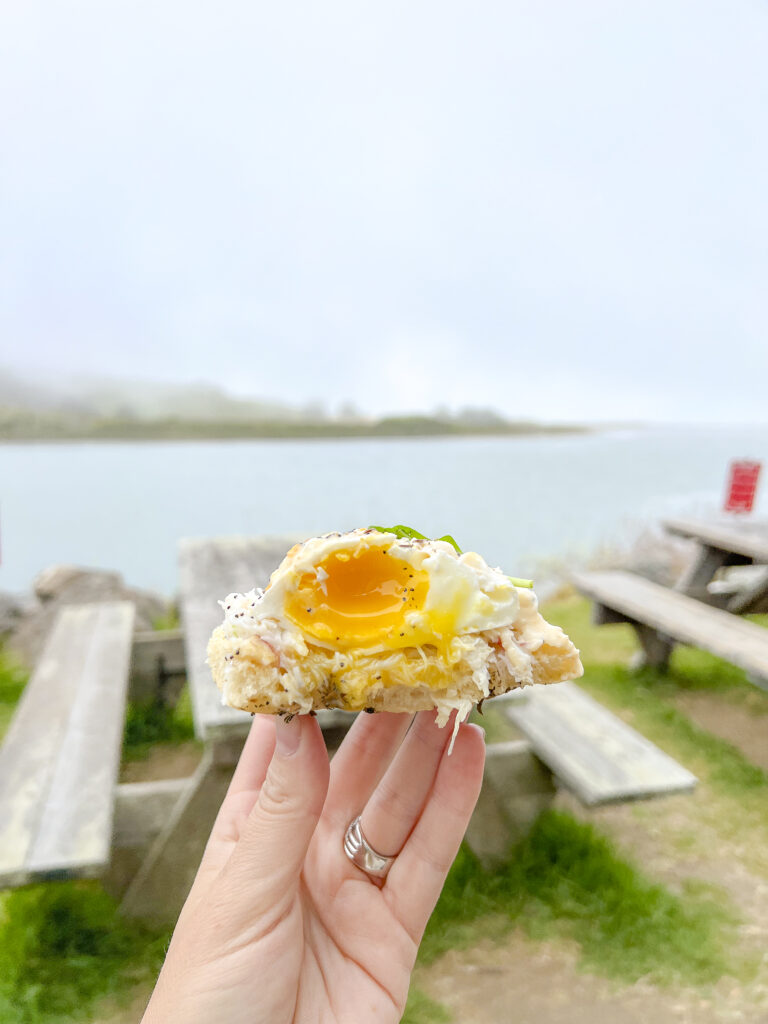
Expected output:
{"points": [[362, 854]]}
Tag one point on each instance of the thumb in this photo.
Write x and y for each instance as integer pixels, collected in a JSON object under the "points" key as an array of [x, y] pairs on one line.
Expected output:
{"points": [[273, 842]]}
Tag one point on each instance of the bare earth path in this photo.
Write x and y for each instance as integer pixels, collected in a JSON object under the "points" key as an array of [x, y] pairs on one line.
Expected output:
{"points": [[520, 981], [745, 727]]}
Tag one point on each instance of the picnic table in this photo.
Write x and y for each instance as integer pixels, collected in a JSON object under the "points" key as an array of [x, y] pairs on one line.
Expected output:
{"points": [[664, 616], [721, 544]]}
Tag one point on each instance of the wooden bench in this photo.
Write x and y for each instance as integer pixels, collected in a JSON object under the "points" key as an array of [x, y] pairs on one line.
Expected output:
{"points": [[60, 757], [662, 617], [571, 741], [593, 753]]}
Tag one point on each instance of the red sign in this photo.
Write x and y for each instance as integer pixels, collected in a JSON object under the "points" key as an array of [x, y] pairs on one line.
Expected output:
{"points": [[742, 485]]}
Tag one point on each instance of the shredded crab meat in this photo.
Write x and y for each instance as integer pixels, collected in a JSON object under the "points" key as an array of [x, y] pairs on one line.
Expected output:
{"points": [[444, 709]]}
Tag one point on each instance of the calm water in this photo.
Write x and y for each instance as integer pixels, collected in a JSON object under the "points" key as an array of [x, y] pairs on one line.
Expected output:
{"points": [[519, 502]]}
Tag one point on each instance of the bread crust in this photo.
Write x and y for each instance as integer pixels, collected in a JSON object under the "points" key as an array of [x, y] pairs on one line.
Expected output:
{"points": [[251, 677]]}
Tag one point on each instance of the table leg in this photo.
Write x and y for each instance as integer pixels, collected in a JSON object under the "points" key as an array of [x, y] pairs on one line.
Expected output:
{"points": [[699, 573], [517, 787], [163, 881], [754, 599], [655, 648]]}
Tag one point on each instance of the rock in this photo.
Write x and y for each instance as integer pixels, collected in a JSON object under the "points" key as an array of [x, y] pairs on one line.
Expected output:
{"points": [[149, 606], [657, 555], [11, 610], [61, 585], [82, 584]]}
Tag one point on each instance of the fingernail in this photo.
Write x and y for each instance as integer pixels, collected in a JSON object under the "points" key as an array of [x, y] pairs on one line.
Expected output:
{"points": [[479, 728], [287, 736]]}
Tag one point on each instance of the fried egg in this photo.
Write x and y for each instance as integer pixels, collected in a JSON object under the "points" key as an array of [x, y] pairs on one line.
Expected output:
{"points": [[374, 620]]}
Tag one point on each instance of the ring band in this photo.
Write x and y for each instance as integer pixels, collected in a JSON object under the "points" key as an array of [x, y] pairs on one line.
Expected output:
{"points": [[362, 854]]}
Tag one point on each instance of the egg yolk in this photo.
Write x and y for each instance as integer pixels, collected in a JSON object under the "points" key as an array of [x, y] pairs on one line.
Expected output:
{"points": [[359, 599]]}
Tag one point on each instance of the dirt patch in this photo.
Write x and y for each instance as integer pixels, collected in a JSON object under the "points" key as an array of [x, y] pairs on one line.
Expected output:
{"points": [[539, 983], [677, 839], [674, 839], [164, 761], [744, 727], [128, 1014]]}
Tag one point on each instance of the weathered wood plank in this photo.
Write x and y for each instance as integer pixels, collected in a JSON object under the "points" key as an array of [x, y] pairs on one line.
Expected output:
{"points": [[749, 539], [28, 752], [655, 648], [162, 883], [683, 618], [209, 569], [75, 830], [143, 809], [59, 760], [594, 754]]}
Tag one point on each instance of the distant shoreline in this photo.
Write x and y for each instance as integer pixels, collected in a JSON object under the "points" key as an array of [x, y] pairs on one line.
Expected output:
{"points": [[50, 432]]}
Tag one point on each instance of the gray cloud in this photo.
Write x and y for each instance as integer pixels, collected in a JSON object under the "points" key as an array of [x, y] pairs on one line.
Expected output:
{"points": [[558, 210]]}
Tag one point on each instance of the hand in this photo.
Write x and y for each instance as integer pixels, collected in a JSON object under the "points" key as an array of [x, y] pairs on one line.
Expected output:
{"points": [[280, 926]]}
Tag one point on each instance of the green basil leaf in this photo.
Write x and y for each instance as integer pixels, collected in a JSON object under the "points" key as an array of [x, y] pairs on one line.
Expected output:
{"points": [[407, 532]]}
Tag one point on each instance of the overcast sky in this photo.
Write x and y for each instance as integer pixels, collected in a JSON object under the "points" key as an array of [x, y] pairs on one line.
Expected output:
{"points": [[558, 209]]}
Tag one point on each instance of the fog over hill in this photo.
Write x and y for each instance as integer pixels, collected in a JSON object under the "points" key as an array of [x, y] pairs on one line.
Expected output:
{"points": [[148, 401], [18, 393], [141, 400]]}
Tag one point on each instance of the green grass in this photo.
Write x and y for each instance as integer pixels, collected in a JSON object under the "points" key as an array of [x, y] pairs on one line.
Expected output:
{"points": [[420, 1009], [598, 644], [25, 425], [150, 722], [496, 725], [566, 880], [63, 946], [13, 679], [170, 620]]}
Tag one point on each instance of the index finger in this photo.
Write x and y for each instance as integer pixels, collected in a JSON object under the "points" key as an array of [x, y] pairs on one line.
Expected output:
{"points": [[253, 762]]}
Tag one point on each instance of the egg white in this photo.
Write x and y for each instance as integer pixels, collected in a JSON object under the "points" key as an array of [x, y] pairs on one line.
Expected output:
{"points": [[464, 594]]}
